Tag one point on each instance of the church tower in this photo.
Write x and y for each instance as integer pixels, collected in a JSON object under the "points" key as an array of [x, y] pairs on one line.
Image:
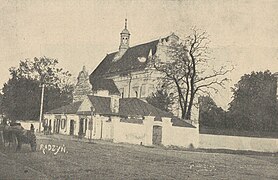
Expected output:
{"points": [[124, 41], [82, 87]]}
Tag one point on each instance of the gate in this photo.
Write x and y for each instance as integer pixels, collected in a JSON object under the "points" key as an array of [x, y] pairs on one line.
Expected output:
{"points": [[157, 135]]}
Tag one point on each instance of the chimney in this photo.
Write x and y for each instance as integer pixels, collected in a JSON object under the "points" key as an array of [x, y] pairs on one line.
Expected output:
{"points": [[115, 103]]}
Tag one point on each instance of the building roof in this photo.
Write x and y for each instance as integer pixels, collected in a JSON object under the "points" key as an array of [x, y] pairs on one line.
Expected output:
{"points": [[128, 62], [101, 104], [137, 107], [100, 83], [67, 109], [129, 107]]}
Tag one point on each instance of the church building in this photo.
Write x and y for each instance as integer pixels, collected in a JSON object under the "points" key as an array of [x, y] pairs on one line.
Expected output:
{"points": [[110, 103], [129, 71]]}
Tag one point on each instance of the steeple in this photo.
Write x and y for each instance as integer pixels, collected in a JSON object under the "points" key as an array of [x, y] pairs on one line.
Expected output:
{"points": [[82, 87], [124, 41]]}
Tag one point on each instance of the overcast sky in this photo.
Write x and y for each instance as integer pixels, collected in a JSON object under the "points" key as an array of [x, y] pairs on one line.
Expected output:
{"points": [[243, 33]]}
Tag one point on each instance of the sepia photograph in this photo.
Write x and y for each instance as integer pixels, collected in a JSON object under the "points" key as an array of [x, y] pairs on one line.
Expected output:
{"points": [[145, 89]]}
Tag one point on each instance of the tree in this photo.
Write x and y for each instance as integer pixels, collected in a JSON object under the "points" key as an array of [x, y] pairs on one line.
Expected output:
{"points": [[188, 70], [21, 94], [21, 98], [254, 104], [210, 114], [45, 71], [161, 99]]}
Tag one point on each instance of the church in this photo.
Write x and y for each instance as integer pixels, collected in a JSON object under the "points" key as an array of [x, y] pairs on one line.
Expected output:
{"points": [[129, 72], [110, 103]]}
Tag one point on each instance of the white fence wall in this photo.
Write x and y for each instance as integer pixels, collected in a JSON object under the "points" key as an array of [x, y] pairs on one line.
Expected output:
{"points": [[128, 132], [238, 143], [107, 130], [180, 136]]}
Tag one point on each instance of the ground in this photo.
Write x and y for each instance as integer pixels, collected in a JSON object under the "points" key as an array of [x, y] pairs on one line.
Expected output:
{"points": [[105, 160]]}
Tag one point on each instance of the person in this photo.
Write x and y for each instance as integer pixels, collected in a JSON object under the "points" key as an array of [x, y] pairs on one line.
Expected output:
{"points": [[32, 128], [45, 129]]}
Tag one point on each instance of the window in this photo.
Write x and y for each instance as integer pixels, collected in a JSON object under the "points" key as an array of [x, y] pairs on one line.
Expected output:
{"points": [[63, 123], [135, 90]]}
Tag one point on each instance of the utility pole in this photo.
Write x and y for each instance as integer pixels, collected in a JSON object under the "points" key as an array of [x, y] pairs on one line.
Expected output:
{"points": [[41, 110]]}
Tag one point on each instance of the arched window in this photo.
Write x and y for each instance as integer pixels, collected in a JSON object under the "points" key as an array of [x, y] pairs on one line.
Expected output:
{"points": [[135, 91]]}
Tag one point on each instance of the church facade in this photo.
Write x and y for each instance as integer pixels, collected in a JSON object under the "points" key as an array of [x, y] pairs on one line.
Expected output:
{"points": [[110, 103], [129, 72]]}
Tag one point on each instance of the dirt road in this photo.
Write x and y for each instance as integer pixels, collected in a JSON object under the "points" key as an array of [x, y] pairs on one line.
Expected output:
{"points": [[105, 160]]}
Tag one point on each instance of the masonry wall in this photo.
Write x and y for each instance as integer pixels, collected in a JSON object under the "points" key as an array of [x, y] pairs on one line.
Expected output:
{"points": [[180, 136], [128, 132], [238, 143]]}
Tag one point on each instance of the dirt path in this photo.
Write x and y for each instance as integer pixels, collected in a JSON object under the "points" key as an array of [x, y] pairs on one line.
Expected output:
{"points": [[104, 160]]}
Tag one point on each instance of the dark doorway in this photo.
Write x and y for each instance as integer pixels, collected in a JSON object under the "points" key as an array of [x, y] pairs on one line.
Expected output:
{"points": [[81, 127], [157, 135], [71, 127], [58, 126], [50, 127], [54, 126]]}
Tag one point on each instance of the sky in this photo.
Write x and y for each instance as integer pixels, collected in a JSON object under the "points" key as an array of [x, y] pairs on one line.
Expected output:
{"points": [[243, 33]]}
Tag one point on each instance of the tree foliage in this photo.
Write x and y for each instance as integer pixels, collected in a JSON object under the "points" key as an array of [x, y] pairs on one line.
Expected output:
{"points": [[210, 114], [188, 71], [161, 99], [22, 93], [254, 104]]}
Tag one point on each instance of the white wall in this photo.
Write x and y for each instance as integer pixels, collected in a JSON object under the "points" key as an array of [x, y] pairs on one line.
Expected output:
{"points": [[107, 130], [179, 136], [238, 143], [128, 132]]}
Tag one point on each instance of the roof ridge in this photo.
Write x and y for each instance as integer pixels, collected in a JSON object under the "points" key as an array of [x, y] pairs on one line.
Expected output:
{"points": [[140, 43]]}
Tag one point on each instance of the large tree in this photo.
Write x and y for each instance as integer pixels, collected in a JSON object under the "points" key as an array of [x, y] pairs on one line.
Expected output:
{"points": [[161, 99], [21, 94], [210, 114], [189, 70], [254, 104]]}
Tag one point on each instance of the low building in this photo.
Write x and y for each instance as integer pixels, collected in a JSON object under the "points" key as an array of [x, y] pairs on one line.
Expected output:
{"points": [[127, 120]]}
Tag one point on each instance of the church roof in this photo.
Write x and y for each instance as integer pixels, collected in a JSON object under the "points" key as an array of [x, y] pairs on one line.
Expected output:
{"points": [[128, 62], [125, 31], [100, 83]]}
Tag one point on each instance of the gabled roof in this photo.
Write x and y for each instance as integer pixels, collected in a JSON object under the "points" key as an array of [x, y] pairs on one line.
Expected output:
{"points": [[101, 104], [128, 62], [129, 107], [137, 107], [67, 109], [100, 83]]}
